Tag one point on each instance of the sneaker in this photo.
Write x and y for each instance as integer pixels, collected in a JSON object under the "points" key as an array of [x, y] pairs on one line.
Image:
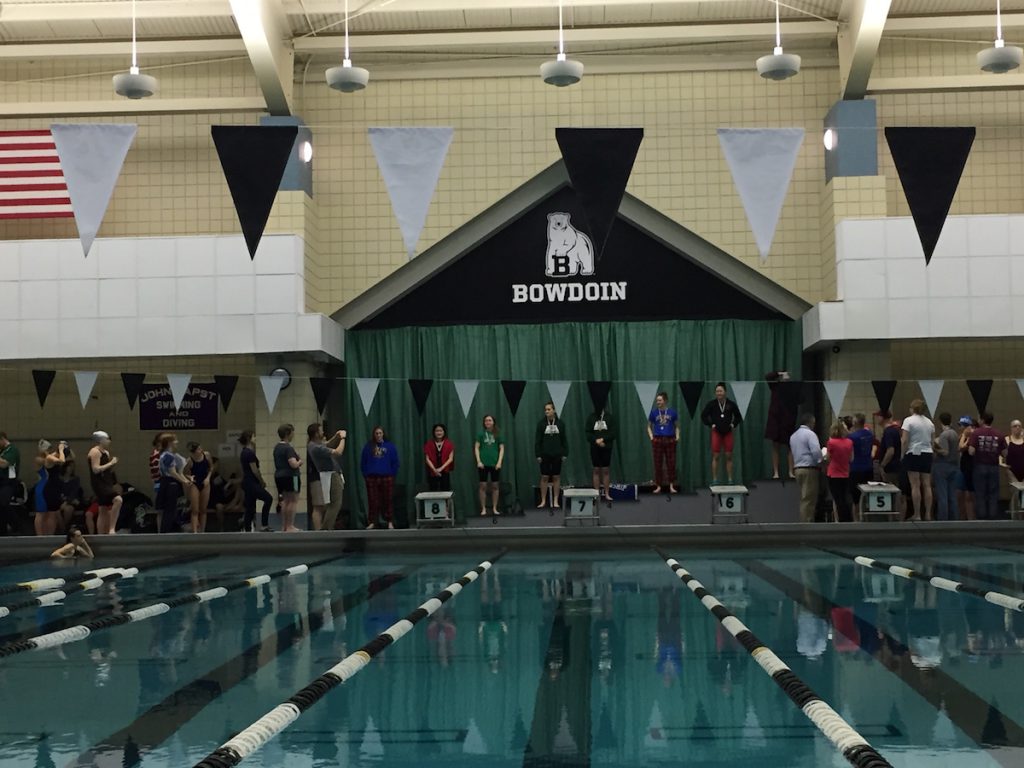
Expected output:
{"points": [[266, 529]]}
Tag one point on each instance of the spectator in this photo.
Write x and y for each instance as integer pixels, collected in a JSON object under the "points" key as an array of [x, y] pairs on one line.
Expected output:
{"points": [[945, 468], [1014, 457], [379, 465], [986, 446], [551, 446], [889, 453], [50, 462], [10, 459], [287, 476], [917, 437], [663, 430], [840, 454], [806, 450], [439, 455], [965, 479], [75, 545], [104, 483], [862, 464], [154, 462], [254, 487], [226, 495], [723, 416], [326, 483], [602, 429], [173, 484], [72, 498], [198, 467], [785, 395]]}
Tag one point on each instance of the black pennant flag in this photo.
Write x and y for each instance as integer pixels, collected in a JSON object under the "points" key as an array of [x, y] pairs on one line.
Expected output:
{"points": [[884, 390], [420, 392], [929, 162], [691, 395], [43, 381], [225, 386], [321, 392], [599, 393], [253, 158], [513, 393], [980, 390], [599, 161], [132, 387]]}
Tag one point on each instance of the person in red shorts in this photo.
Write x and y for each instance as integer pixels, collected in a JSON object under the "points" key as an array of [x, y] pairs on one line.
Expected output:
{"points": [[723, 416]]}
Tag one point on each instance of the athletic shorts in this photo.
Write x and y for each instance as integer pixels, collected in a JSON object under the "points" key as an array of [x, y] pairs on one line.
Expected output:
{"points": [[316, 494], [550, 466], [601, 456], [720, 442], [921, 462], [489, 473], [288, 484]]}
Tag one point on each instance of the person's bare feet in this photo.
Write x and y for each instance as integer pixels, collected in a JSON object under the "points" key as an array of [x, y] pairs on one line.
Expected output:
{"points": [[370, 527], [542, 506], [657, 489], [496, 512], [293, 529], [483, 513], [673, 489], [391, 526]]}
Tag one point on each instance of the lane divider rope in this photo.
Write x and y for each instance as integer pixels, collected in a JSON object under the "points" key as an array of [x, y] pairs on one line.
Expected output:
{"points": [[278, 719], [82, 631], [854, 747], [1012, 602], [49, 598], [45, 584]]}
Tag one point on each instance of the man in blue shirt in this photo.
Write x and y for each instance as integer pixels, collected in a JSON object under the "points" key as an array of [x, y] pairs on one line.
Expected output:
{"points": [[806, 449]]}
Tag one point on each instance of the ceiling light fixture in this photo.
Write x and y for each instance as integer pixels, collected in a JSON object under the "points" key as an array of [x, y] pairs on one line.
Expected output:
{"points": [[562, 71], [1000, 58], [347, 78], [133, 83], [829, 139], [778, 65]]}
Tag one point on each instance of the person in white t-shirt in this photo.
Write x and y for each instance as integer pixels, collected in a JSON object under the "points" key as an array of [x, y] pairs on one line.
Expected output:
{"points": [[918, 439]]}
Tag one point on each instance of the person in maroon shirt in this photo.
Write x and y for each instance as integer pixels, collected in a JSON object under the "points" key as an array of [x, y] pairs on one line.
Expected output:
{"points": [[840, 452], [986, 446]]}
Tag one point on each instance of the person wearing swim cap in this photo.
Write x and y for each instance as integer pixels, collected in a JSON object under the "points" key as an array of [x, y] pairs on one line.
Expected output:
{"points": [[104, 483]]}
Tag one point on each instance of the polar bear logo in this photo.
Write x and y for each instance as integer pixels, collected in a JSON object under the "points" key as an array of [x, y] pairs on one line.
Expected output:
{"points": [[570, 252]]}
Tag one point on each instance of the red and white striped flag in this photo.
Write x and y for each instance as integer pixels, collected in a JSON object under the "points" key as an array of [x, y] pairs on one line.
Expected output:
{"points": [[32, 184]]}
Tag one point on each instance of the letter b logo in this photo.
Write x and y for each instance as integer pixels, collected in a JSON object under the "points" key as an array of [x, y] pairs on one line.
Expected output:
{"points": [[560, 266]]}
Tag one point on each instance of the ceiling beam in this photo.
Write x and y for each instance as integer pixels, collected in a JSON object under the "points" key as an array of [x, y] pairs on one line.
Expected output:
{"points": [[945, 83], [860, 31], [99, 48], [266, 35], [189, 106]]}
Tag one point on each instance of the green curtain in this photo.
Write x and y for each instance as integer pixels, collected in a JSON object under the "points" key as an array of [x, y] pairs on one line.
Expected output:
{"points": [[620, 352]]}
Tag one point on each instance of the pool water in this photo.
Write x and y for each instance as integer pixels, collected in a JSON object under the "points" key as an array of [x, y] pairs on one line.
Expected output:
{"points": [[577, 659]]}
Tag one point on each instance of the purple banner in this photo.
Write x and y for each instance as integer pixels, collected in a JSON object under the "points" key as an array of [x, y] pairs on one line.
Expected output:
{"points": [[199, 410]]}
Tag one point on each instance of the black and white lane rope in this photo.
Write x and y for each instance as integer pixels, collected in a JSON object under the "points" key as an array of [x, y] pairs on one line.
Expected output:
{"points": [[82, 631], [996, 598], [49, 583], [49, 598], [280, 717], [851, 744]]}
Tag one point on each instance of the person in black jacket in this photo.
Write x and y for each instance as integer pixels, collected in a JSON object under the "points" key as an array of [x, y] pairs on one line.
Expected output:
{"points": [[602, 430], [551, 448], [723, 416]]}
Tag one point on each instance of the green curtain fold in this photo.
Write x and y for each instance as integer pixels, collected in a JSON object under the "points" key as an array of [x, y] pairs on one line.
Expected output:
{"points": [[620, 352]]}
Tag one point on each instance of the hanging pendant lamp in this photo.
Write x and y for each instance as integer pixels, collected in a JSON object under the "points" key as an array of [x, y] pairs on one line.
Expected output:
{"points": [[1000, 57], [347, 78], [778, 65], [562, 71], [133, 84]]}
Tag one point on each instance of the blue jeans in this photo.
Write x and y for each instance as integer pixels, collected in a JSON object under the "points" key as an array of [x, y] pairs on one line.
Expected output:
{"points": [[986, 491], [944, 475]]}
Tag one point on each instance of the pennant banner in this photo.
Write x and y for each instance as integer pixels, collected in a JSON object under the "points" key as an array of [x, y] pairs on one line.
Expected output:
{"points": [[420, 392], [85, 381], [599, 162], [884, 390], [691, 395], [646, 391], [761, 161], [929, 162], [559, 391], [367, 392], [980, 391], [43, 381], [91, 156], [836, 391], [513, 393], [742, 391], [931, 389], [599, 393], [178, 383], [410, 162], [466, 390], [1020, 386], [271, 389], [321, 393], [132, 386], [225, 386], [253, 158]]}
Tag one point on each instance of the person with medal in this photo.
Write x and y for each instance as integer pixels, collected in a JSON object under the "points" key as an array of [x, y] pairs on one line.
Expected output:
{"points": [[551, 448], [663, 429], [602, 430], [723, 416]]}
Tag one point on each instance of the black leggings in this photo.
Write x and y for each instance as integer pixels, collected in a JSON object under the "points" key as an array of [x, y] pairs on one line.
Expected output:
{"points": [[167, 500], [253, 492], [839, 487]]}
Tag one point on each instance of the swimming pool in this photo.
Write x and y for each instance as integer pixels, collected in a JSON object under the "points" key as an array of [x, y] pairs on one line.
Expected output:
{"points": [[547, 660]]}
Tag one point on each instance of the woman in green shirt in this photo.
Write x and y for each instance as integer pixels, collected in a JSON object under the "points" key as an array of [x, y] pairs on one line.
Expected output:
{"points": [[489, 450], [601, 433]]}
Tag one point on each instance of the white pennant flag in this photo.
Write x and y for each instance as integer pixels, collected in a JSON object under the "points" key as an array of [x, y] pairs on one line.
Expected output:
{"points": [[91, 156], [271, 389], [1020, 386], [367, 392], [836, 391], [646, 391], [466, 390], [559, 391], [742, 391], [410, 161], [85, 381], [761, 161], [932, 391], [178, 383]]}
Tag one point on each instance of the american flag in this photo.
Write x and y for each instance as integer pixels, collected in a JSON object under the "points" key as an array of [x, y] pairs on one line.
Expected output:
{"points": [[31, 181]]}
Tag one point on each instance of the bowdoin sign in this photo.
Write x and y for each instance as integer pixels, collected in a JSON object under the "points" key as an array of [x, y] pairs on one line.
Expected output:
{"points": [[569, 254]]}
